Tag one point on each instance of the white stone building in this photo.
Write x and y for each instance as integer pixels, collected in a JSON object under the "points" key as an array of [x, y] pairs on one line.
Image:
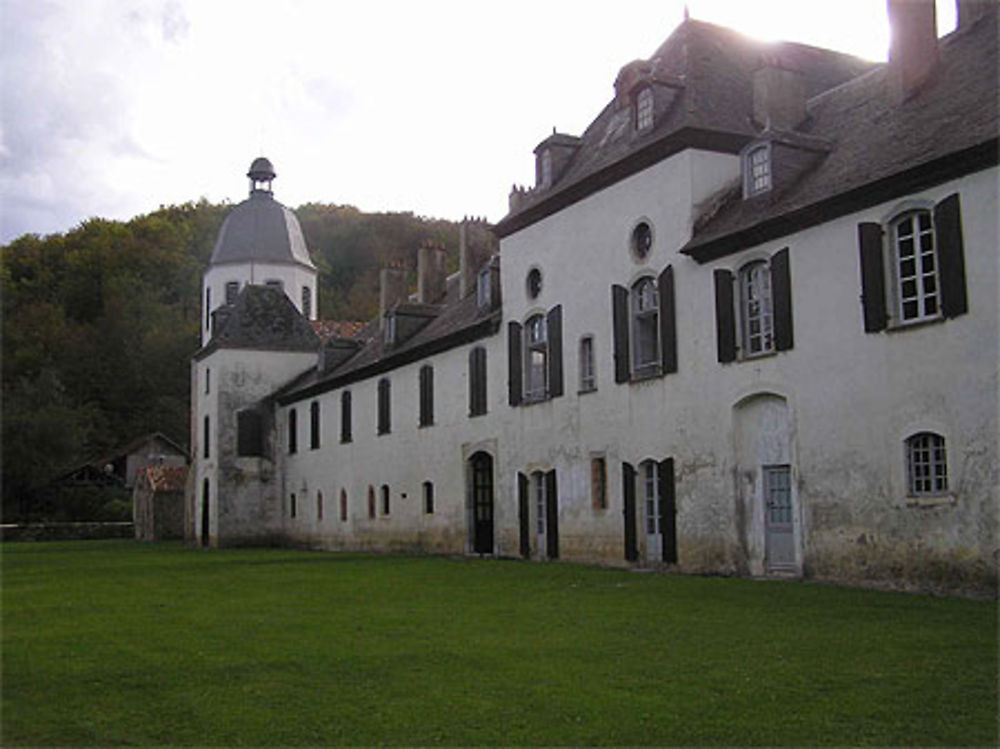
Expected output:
{"points": [[747, 323]]}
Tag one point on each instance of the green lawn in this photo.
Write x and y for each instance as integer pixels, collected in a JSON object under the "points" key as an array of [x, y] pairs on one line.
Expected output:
{"points": [[117, 643]]}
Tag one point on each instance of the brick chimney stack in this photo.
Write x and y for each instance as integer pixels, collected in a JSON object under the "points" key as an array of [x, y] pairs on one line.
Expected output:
{"points": [[431, 275], [913, 47], [392, 289], [779, 95], [477, 243]]}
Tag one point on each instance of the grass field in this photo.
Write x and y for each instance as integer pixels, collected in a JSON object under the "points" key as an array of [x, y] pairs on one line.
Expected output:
{"points": [[116, 643]]}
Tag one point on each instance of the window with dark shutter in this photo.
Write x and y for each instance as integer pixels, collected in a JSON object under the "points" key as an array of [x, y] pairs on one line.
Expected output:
{"points": [[951, 256], [314, 425], [426, 395], [345, 416], [668, 325], [428, 498], [293, 431], [477, 381], [872, 277], [385, 499], [523, 517], [725, 320], [668, 509], [343, 505], [551, 515], [384, 421], [249, 434], [555, 358], [781, 298], [514, 388], [619, 321], [206, 431], [628, 513]]}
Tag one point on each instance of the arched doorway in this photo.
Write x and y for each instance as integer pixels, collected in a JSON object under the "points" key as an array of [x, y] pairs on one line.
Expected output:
{"points": [[481, 485], [768, 497]]}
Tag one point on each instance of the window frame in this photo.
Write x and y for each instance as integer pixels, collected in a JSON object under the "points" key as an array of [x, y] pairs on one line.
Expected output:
{"points": [[232, 290], [644, 326], [386, 499], [588, 364], [536, 325], [644, 109], [758, 174], [926, 461], [307, 302], [919, 278], [755, 301]]}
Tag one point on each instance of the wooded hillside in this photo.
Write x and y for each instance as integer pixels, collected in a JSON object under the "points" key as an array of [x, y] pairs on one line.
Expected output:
{"points": [[99, 325]]}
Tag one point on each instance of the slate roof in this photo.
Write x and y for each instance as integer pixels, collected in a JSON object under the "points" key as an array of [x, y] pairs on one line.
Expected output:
{"points": [[459, 320], [704, 99], [260, 229], [261, 318], [881, 147]]}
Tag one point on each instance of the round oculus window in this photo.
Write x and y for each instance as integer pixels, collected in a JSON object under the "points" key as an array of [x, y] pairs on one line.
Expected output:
{"points": [[642, 240], [534, 283]]}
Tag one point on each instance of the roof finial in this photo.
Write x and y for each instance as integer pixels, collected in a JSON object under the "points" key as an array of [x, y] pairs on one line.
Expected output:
{"points": [[687, 12]]}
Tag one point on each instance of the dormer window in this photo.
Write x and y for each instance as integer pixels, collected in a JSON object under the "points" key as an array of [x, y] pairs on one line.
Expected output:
{"points": [[484, 297], [757, 170], [390, 329], [644, 110], [545, 169]]}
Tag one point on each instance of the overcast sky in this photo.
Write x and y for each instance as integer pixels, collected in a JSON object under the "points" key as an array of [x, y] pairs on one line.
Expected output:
{"points": [[112, 108]]}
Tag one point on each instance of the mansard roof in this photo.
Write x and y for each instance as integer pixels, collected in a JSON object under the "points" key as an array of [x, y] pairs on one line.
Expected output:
{"points": [[882, 147], [459, 320], [705, 74], [262, 318], [260, 229]]}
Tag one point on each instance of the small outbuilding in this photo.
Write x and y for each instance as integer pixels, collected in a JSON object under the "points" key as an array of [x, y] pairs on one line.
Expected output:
{"points": [[158, 502]]}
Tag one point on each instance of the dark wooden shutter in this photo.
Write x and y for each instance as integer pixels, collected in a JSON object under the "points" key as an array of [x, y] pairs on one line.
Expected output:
{"points": [[781, 299], [668, 509], [514, 371], [426, 395], [345, 416], [668, 323], [551, 515], [314, 425], [293, 431], [523, 517], [477, 381], [555, 359], [951, 256], [725, 318], [384, 418], [619, 322], [872, 277], [628, 497]]}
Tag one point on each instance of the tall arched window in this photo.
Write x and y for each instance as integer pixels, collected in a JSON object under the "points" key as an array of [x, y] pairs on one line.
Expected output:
{"points": [[645, 327], [536, 355], [916, 267], [756, 313]]}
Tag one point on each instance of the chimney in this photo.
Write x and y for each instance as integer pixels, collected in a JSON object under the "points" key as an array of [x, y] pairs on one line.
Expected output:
{"points": [[913, 48], [431, 274], [779, 95], [477, 243], [969, 11], [392, 289]]}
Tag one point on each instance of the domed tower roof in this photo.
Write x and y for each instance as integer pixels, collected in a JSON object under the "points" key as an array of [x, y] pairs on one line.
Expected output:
{"points": [[260, 229]]}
